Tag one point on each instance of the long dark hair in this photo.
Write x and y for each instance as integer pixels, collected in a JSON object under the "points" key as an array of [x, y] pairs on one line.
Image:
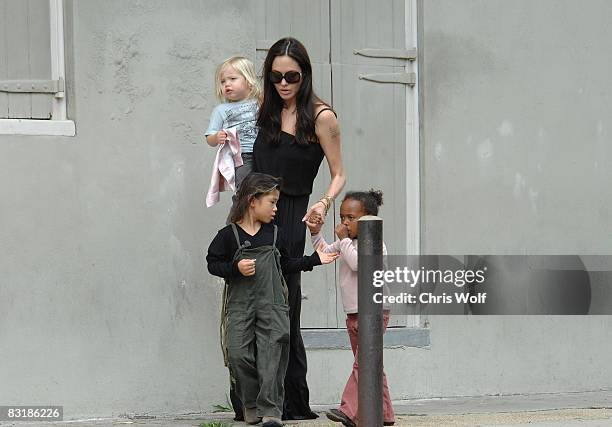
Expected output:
{"points": [[370, 200], [269, 119], [254, 185]]}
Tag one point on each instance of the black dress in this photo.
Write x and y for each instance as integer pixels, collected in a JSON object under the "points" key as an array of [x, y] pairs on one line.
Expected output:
{"points": [[298, 165]]}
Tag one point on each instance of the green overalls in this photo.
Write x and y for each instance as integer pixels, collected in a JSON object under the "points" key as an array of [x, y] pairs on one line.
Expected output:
{"points": [[256, 335]]}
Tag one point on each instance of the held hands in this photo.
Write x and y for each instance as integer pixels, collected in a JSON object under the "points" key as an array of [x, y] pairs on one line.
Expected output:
{"points": [[326, 257], [314, 227], [341, 231], [315, 213], [246, 267], [221, 137]]}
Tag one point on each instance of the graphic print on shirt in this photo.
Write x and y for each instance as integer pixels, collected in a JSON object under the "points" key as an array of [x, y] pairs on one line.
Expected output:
{"points": [[241, 117]]}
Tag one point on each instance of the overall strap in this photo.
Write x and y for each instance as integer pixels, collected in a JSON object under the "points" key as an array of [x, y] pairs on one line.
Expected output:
{"points": [[275, 233], [223, 326], [235, 230]]}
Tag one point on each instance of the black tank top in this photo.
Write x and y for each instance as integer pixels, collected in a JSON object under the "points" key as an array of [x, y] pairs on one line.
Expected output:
{"points": [[297, 164]]}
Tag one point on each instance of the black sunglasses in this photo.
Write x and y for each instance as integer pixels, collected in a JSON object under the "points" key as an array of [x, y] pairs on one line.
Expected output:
{"points": [[289, 76]]}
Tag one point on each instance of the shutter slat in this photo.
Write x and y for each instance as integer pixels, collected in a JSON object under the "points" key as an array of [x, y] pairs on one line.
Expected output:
{"points": [[17, 44], [40, 55], [3, 59]]}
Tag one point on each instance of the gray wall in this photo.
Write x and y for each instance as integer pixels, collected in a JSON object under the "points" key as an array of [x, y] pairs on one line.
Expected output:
{"points": [[105, 303], [516, 126], [485, 355], [516, 159]]}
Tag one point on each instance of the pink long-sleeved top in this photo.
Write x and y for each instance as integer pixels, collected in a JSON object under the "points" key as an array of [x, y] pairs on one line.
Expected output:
{"points": [[348, 269]]}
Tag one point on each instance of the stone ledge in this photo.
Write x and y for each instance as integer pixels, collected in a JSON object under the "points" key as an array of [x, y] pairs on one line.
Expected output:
{"points": [[337, 339]]}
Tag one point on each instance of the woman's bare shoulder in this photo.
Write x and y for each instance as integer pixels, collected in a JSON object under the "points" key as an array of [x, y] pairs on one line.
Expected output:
{"points": [[324, 112]]}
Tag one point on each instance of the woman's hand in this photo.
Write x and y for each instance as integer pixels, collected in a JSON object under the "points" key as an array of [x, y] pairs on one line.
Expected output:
{"points": [[314, 227], [246, 267], [326, 257], [315, 213]]}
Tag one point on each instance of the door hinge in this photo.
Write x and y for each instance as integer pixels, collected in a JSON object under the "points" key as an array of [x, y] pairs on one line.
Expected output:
{"points": [[263, 44], [404, 78], [55, 87], [409, 54]]}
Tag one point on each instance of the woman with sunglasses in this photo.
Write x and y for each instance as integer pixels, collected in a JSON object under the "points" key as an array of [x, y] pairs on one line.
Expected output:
{"points": [[296, 131]]}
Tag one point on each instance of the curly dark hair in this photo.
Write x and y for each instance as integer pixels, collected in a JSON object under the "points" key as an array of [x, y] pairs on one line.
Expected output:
{"points": [[370, 200]]}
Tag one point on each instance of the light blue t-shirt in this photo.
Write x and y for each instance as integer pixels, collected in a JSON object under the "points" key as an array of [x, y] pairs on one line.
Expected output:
{"points": [[241, 115]]}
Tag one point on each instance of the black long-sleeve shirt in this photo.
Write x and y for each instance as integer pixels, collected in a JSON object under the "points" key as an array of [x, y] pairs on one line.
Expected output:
{"points": [[223, 247]]}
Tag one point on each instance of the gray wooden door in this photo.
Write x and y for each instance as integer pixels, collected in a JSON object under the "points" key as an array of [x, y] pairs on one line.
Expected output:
{"points": [[307, 21], [25, 55], [375, 118], [370, 46]]}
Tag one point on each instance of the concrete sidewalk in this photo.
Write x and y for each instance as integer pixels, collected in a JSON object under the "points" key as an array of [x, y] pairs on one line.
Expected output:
{"points": [[537, 410]]}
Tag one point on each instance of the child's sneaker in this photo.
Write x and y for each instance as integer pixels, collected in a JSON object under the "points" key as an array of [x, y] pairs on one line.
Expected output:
{"points": [[340, 417]]}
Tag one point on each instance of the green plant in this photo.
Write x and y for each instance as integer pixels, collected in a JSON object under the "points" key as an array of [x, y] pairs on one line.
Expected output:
{"points": [[226, 407], [221, 408]]}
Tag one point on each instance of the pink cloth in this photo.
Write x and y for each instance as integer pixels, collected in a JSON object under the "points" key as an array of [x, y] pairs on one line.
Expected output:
{"points": [[348, 269], [350, 396], [223, 173]]}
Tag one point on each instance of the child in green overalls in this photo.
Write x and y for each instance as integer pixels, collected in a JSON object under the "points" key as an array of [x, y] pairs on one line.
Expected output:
{"points": [[251, 256]]}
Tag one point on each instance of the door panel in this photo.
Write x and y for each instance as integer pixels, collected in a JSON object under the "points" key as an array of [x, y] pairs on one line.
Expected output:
{"points": [[376, 120], [374, 115], [358, 24], [309, 23]]}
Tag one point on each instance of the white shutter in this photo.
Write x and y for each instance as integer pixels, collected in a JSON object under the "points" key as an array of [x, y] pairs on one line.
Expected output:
{"points": [[26, 88]]}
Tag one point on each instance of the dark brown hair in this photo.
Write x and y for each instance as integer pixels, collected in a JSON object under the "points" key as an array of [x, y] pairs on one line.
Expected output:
{"points": [[269, 119], [254, 185]]}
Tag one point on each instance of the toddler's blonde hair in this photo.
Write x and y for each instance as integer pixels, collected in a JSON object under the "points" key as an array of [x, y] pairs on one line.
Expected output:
{"points": [[244, 67]]}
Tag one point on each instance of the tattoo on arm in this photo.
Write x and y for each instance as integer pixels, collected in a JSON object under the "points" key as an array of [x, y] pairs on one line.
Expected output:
{"points": [[334, 131]]}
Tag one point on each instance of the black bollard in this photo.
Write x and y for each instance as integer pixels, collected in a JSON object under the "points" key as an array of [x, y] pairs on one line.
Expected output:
{"points": [[370, 351]]}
